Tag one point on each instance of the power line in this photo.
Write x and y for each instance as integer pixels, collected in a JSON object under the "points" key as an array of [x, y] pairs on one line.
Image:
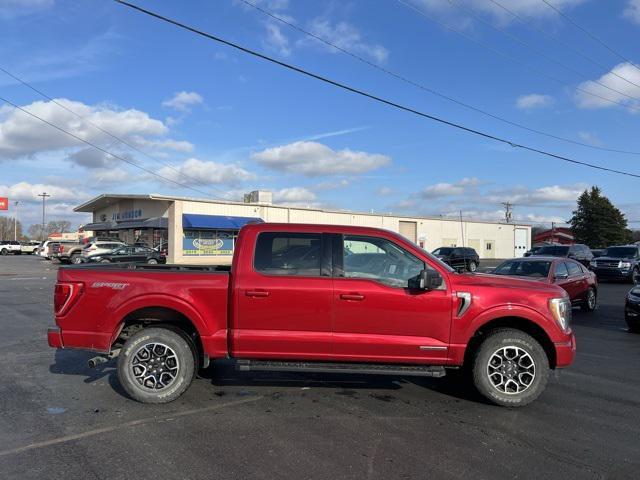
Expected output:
{"points": [[555, 38], [526, 44], [431, 90], [106, 132], [9, 102], [516, 60], [588, 33], [369, 95]]}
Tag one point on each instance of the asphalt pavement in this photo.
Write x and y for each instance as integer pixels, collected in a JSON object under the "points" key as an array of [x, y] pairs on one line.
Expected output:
{"points": [[61, 419]]}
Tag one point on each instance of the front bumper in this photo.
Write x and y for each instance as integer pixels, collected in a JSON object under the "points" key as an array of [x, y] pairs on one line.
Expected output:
{"points": [[565, 352], [612, 273]]}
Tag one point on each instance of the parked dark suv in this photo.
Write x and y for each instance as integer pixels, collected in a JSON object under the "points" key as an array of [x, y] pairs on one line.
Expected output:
{"points": [[460, 258], [618, 263], [578, 252]]}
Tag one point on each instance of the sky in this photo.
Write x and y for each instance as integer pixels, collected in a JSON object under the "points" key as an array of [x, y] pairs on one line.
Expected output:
{"points": [[201, 119]]}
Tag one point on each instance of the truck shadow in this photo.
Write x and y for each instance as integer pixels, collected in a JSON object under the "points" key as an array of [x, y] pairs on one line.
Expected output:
{"points": [[74, 362]]}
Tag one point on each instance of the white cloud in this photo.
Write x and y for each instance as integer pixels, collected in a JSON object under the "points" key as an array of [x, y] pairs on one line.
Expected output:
{"points": [[276, 40], [201, 172], [632, 11], [315, 159], [439, 190], [383, 191], [534, 100], [17, 8], [21, 134], [92, 158], [183, 101], [294, 194], [345, 36], [169, 144], [563, 195], [590, 138], [104, 177], [613, 80], [28, 192], [525, 8]]}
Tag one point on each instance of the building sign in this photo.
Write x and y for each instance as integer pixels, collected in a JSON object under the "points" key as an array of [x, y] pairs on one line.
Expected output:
{"points": [[127, 215], [4, 203], [206, 244]]}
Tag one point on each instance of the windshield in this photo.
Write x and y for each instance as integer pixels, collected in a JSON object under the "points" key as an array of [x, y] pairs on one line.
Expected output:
{"points": [[524, 268], [553, 250], [443, 251], [621, 252]]}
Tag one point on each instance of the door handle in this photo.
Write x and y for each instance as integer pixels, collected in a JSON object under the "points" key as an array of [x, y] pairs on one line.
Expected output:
{"points": [[257, 293], [352, 296]]}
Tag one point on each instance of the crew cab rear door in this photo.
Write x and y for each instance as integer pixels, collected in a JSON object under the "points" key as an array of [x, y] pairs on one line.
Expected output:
{"points": [[376, 316], [283, 298]]}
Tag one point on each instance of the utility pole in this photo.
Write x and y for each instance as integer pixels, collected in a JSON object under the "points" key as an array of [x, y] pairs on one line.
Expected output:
{"points": [[44, 196], [462, 228], [15, 222], [508, 211]]}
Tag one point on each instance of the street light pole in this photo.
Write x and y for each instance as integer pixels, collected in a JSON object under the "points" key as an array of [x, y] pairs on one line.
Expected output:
{"points": [[44, 196], [15, 222]]}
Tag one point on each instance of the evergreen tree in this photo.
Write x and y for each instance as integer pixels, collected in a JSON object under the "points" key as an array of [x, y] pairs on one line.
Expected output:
{"points": [[597, 223]]}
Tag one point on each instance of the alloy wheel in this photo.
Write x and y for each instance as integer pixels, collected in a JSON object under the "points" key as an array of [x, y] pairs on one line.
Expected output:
{"points": [[155, 366], [511, 370]]}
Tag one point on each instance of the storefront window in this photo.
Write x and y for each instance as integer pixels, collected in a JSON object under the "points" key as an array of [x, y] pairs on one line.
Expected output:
{"points": [[208, 242]]}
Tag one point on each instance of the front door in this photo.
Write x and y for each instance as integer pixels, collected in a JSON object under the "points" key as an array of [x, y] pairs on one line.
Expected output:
{"points": [[376, 316], [283, 304]]}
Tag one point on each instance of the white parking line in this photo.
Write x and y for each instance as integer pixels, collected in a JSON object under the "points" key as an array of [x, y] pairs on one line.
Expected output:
{"points": [[132, 423]]}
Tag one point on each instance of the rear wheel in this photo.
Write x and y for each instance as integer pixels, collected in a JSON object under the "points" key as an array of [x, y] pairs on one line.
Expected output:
{"points": [[76, 259], [104, 261], [590, 302], [156, 365], [152, 261], [510, 368], [473, 266]]}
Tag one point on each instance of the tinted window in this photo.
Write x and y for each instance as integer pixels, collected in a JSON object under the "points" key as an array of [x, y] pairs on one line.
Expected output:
{"points": [[288, 253], [524, 268], [621, 252], [142, 250], [379, 259], [443, 251], [574, 269], [561, 269], [553, 250]]}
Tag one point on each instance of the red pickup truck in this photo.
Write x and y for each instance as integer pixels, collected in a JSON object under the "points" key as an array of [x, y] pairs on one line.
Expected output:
{"points": [[316, 298]]}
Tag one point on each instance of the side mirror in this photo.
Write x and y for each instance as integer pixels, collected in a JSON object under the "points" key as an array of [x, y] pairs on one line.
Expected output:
{"points": [[426, 280]]}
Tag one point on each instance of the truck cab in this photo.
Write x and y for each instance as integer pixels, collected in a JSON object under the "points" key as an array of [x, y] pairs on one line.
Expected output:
{"points": [[317, 298]]}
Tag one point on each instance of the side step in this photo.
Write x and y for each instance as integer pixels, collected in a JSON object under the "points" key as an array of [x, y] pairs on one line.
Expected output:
{"points": [[329, 367]]}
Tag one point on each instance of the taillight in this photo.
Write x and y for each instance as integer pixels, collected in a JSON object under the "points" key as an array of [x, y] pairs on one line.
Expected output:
{"points": [[65, 295]]}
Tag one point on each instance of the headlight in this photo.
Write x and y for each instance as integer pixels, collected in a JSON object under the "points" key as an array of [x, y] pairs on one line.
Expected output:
{"points": [[625, 265], [560, 309], [634, 293]]}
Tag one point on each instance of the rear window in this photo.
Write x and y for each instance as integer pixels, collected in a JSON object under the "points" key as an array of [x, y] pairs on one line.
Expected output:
{"points": [[288, 254], [556, 251]]}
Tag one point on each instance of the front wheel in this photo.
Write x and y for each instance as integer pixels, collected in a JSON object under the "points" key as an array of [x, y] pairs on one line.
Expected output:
{"points": [[76, 259], [510, 368], [156, 365], [590, 302], [635, 276], [152, 261], [3, 251], [473, 266]]}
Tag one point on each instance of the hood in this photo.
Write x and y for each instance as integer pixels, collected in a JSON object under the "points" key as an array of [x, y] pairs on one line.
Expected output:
{"points": [[614, 259], [505, 281]]}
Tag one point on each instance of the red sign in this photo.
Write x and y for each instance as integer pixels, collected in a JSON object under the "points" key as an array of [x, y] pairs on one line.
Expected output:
{"points": [[4, 203]]}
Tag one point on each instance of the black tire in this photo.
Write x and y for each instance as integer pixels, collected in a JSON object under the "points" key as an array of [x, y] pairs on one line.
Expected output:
{"points": [[142, 341], [3, 251], [152, 261], [104, 260], [473, 266], [75, 259], [590, 303], [635, 276], [532, 385]]}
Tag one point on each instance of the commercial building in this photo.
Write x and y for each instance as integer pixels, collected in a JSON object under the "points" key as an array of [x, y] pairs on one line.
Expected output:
{"points": [[204, 231]]}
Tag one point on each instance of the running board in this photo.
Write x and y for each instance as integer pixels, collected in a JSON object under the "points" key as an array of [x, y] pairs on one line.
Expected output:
{"points": [[327, 367]]}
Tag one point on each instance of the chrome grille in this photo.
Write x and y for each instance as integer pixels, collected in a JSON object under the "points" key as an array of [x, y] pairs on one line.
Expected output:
{"points": [[607, 263]]}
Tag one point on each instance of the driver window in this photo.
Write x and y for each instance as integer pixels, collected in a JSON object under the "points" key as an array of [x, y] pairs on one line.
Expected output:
{"points": [[379, 259], [561, 269]]}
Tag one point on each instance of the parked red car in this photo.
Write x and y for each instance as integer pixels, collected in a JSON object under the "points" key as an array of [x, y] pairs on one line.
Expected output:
{"points": [[316, 298], [580, 283]]}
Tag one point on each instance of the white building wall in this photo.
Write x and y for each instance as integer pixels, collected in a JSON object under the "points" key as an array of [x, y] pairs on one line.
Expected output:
{"points": [[431, 232]]}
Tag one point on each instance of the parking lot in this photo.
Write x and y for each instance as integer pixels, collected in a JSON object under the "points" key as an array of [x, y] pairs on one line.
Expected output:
{"points": [[61, 419]]}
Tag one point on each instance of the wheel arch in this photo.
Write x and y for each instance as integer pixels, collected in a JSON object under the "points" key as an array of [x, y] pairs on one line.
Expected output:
{"points": [[517, 323]]}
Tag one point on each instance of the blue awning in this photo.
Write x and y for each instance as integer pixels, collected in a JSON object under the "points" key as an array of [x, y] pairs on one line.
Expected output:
{"points": [[216, 222]]}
